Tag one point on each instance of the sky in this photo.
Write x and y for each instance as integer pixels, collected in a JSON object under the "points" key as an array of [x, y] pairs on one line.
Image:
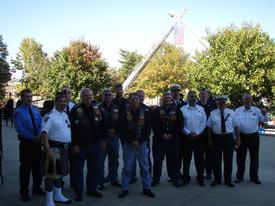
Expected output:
{"points": [[123, 24]]}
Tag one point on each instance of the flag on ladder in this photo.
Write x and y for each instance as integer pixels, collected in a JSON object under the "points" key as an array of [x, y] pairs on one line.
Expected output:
{"points": [[178, 35]]}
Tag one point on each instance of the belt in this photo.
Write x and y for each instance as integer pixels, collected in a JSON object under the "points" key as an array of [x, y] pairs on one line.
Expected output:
{"points": [[253, 134], [59, 145], [227, 134]]}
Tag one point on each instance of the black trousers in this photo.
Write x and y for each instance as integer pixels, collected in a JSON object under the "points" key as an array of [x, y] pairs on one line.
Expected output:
{"points": [[250, 142], [208, 155], [170, 150], [189, 146], [29, 156], [223, 147]]}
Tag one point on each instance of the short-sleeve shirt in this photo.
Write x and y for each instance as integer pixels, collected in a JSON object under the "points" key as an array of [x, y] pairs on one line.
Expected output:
{"points": [[249, 119], [214, 121], [57, 125]]}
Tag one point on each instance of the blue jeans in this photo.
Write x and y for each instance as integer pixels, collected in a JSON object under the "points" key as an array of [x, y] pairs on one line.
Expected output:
{"points": [[90, 153], [130, 154], [112, 150]]}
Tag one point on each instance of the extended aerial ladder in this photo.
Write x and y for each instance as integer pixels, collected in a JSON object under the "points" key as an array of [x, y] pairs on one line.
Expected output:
{"points": [[139, 67]]}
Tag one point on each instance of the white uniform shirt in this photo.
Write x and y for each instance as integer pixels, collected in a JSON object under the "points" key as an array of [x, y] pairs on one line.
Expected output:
{"points": [[57, 126], [249, 119], [214, 121], [71, 105], [194, 119]]}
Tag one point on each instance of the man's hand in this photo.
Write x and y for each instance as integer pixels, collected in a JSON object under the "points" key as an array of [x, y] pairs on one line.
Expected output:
{"points": [[238, 143], [165, 137], [136, 144], [111, 132], [169, 136], [49, 154], [76, 149], [36, 140], [103, 145], [192, 135]]}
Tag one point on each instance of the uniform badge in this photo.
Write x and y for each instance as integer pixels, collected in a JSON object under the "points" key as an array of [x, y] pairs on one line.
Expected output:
{"points": [[79, 110], [161, 112], [97, 111], [173, 115], [141, 119], [76, 121], [129, 116], [46, 118]]}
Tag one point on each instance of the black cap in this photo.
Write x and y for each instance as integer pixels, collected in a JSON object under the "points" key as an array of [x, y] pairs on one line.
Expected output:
{"points": [[119, 85]]}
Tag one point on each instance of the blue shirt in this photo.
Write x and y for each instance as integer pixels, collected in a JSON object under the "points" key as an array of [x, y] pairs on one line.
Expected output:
{"points": [[23, 122]]}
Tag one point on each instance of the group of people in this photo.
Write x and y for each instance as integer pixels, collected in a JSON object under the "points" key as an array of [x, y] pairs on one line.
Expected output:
{"points": [[72, 134]]}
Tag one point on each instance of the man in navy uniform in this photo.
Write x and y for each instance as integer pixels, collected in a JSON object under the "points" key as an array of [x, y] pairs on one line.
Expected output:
{"points": [[68, 94], [175, 91], [208, 106], [28, 126], [167, 125], [249, 118]]}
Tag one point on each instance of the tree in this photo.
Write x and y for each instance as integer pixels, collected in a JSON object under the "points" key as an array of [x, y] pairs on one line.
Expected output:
{"points": [[168, 66], [4, 67], [238, 60], [34, 62], [128, 60], [78, 65]]}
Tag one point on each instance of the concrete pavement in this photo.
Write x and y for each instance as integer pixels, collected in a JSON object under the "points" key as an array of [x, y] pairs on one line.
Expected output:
{"points": [[245, 193]]}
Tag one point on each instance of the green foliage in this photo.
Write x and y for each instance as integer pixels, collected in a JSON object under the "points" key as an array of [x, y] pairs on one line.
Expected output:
{"points": [[4, 67], [34, 62], [79, 65], [128, 61], [238, 60], [168, 66]]}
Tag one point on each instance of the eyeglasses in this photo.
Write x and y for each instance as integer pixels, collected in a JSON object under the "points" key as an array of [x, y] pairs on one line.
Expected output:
{"points": [[107, 95]]}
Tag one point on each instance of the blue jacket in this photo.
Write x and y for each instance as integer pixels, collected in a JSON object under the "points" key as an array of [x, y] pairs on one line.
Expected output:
{"points": [[23, 122]]}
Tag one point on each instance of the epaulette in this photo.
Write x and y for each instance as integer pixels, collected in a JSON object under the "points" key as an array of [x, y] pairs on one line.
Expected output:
{"points": [[49, 112]]}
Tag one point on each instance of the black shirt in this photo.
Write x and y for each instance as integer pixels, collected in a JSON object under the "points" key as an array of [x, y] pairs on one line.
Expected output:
{"points": [[135, 125], [167, 120], [86, 124], [110, 117]]}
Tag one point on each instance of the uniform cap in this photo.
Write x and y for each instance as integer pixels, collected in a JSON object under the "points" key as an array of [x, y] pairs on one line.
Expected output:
{"points": [[221, 98], [175, 87]]}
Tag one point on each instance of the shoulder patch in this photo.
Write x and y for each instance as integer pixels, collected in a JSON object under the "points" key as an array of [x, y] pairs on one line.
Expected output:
{"points": [[46, 118]]}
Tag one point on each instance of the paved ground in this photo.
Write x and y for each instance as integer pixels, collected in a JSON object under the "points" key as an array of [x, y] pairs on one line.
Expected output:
{"points": [[191, 195]]}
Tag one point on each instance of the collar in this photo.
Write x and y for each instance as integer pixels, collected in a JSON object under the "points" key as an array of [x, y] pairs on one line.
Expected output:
{"points": [[247, 110], [57, 112], [192, 107]]}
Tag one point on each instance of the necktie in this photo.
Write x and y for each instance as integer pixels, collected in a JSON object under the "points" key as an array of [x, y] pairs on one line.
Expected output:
{"points": [[33, 122], [68, 110], [223, 123]]}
